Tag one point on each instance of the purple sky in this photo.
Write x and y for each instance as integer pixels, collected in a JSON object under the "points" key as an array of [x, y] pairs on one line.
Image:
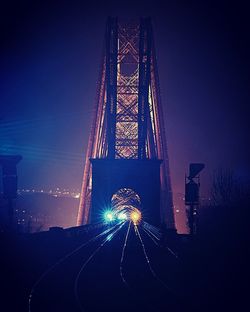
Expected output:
{"points": [[50, 55]]}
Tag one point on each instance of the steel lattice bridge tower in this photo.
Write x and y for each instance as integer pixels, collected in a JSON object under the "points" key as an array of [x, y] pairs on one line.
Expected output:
{"points": [[127, 159]]}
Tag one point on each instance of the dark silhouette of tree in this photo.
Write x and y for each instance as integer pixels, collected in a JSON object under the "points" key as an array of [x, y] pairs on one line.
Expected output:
{"points": [[228, 189], [223, 187]]}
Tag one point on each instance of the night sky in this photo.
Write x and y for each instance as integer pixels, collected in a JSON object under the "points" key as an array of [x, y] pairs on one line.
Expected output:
{"points": [[50, 56]]}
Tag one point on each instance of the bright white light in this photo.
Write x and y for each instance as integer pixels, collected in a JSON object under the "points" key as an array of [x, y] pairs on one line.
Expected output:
{"points": [[122, 216], [108, 216]]}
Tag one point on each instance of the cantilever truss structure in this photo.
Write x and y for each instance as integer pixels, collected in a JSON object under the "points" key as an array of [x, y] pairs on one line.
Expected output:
{"points": [[128, 118]]}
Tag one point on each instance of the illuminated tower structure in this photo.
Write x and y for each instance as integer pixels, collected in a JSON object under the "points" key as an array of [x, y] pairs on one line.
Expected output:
{"points": [[127, 159]]}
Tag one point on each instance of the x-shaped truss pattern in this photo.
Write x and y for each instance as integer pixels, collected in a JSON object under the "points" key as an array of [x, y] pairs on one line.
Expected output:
{"points": [[128, 118], [126, 142], [125, 197]]}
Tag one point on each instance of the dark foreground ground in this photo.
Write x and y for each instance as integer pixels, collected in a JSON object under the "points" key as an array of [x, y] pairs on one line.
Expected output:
{"points": [[208, 274]]}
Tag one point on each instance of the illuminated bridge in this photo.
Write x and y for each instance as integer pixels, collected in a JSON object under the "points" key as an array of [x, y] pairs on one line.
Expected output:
{"points": [[116, 257], [124, 254], [127, 164]]}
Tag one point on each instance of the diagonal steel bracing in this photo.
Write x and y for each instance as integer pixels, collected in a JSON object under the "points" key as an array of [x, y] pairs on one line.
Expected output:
{"points": [[128, 120]]}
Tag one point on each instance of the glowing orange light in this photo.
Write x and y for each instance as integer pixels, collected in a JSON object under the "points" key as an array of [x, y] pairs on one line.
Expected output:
{"points": [[135, 216]]}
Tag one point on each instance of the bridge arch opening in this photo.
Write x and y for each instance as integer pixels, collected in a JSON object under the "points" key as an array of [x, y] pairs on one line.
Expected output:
{"points": [[126, 204]]}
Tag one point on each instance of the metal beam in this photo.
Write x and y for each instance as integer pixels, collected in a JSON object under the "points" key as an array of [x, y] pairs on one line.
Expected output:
{"points": [[111, 81]]}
